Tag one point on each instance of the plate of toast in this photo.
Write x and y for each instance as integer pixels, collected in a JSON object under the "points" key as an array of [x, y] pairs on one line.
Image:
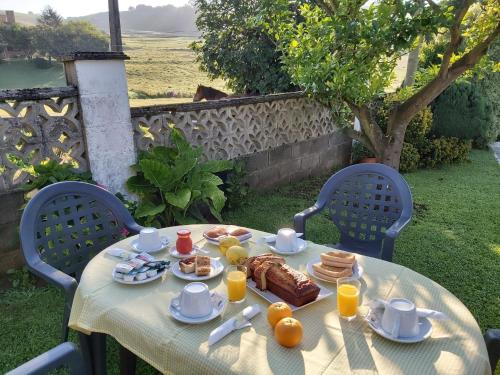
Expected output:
{"points": [[213, 235], [197, 268], [270, 277], [334, 265]]}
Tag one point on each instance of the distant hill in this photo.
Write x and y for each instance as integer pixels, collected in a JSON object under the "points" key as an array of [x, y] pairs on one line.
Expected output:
{"points": [[166, 19], [24, 18]]}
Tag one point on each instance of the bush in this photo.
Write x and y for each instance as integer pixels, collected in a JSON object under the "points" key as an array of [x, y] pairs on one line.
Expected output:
{"points": [[410, 158], [438, 151], [465, 112]]}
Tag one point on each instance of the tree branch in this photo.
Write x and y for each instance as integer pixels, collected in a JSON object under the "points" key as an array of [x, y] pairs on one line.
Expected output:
{"points": [[360, 137], [370, 129], [455, 36]]}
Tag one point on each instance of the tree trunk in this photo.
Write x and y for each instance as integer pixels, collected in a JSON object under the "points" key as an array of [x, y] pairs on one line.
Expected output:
{"points": [[412, 66], [392, 154]]}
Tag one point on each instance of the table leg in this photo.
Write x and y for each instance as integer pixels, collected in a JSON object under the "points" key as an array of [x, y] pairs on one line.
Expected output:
{"points": [[98, 345], [128, 362]]}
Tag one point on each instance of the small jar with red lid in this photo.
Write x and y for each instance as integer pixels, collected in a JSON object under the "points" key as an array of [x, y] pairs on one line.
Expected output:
{"points": [[184, 244]]}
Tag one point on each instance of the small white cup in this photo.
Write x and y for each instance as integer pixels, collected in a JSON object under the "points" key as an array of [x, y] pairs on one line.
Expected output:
{"points": [[149, 239], [286, 240], [194, 301], [400, 318]]}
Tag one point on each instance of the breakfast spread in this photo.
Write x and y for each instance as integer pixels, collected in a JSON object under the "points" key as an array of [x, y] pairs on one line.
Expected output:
{"points": [[271, 273], [334, 265], [199, 264]]}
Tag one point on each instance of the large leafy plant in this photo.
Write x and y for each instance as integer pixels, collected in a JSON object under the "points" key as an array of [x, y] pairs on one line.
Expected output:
{"points": [[175, 186]]}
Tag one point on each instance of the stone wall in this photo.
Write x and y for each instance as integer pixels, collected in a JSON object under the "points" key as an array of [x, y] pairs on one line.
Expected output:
{"points": [[282, 137]]}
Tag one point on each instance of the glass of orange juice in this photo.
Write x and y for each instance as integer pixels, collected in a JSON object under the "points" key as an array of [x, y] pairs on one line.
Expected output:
{"points": [[348, 297], [236, 281]]}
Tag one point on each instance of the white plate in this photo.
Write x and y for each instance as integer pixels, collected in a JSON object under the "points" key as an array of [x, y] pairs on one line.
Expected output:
{"points": [[302, 246], [219, 303], [164, 243], [216, 269], [271, 297], [424, 328], [196, 250], [215, 241], [357, 271], [147, 280]]}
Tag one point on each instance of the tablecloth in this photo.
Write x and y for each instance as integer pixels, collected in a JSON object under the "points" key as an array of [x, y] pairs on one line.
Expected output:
{"points": [[137, 317]]}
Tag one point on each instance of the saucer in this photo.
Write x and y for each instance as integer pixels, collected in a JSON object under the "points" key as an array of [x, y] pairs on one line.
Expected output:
{"points": [[216, 268], [357, 271], [164, 242], [173, 252], [219, 303], [302, 246], [374, 318]]}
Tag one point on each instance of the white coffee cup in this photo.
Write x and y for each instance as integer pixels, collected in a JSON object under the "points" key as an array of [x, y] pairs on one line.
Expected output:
{"points": [[149, 239], [286, 240], [194, 301], [400, 318]]}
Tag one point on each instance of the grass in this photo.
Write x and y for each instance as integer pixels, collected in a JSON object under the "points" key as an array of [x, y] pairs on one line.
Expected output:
{"points": [[22, 74], [453, 239]]}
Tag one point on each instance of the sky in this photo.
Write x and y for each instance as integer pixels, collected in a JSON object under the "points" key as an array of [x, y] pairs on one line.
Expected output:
{"points": [[73, 8]]}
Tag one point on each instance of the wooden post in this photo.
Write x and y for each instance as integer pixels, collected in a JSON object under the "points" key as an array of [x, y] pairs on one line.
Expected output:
{"points": [[114, 26]]}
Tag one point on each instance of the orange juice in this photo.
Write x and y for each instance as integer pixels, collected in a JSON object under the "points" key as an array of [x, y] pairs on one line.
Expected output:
{"points": [[236, 285], [347, 300]]}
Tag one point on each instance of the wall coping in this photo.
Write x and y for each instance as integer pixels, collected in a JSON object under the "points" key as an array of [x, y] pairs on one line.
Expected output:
{"points": [[83, 55], [38, 93], [212, 104]]}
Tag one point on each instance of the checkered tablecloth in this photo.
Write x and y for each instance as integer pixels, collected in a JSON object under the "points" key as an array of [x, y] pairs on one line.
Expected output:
{"points": [[138, 318]]}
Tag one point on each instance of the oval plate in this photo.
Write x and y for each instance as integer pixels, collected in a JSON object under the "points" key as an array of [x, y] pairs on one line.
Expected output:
{"points": [[216, 269], [357, 271], [145, 281]]}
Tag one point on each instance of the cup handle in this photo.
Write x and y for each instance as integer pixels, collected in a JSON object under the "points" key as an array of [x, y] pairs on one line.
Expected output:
{"points": [[176, 304], [395, 326]]}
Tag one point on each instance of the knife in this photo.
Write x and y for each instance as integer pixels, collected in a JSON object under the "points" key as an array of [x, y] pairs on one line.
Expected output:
{"points": [[239, 321]]}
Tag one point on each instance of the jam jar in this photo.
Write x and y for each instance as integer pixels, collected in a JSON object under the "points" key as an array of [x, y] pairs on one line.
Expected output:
{"points": [[184, 244]]}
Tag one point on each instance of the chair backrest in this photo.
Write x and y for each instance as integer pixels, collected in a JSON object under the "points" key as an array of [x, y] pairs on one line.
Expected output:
{"points": [[364, 200], [65, 224], [65, 354]]}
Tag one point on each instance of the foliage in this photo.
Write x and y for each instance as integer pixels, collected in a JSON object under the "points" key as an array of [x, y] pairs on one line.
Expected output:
{"points": [[237, 49], [50, 18], [410, 158], [463, 111], [235, 187], [21, 279], [50, 171], [439, 151], [174, 185], [359, 151], [17, 38]]}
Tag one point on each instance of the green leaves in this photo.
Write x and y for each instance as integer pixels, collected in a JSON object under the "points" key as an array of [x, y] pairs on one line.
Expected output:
{"points": [[179, 199], [159, 174], [149, 209], [215, 166]]}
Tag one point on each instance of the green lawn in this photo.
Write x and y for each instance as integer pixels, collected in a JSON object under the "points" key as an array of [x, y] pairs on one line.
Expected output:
{"points": [[454, 239]]}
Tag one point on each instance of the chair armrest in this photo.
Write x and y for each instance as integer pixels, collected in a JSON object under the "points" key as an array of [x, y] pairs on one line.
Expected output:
{"points": [[63, 354], [134, 227], [299, 220], [397, 227], [492, 340], [56, 277]]}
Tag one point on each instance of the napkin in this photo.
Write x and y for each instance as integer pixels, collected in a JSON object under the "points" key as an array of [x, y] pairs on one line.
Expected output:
{"points": [[421, 313], [239, 321]]}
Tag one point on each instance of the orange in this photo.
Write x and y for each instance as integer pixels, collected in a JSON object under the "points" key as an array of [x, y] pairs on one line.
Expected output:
{"points": [[288, 332], [278, 311]]}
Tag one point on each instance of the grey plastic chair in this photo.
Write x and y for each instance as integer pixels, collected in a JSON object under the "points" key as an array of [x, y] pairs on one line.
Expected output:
{"points": [[369, 203], [492, 339], [65, 354], [63, 226]]}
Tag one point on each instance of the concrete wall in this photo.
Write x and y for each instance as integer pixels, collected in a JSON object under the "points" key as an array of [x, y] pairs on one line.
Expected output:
{"points": [[294, 162]]}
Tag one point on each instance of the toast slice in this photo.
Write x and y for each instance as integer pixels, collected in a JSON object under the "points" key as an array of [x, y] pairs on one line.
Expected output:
{"points": [[202, 265], [338, 259], [187, 265]]}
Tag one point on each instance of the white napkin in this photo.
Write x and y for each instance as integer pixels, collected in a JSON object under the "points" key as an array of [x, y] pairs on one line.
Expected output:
{"points": [[239, 321], [421, 313]]}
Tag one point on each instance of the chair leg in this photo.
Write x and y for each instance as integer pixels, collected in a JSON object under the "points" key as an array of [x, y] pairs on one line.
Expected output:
{"points": [[98, 348], [128, 362]]}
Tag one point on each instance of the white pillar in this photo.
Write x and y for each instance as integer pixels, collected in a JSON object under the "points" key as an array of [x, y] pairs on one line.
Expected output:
{"points": [[105, 112]]}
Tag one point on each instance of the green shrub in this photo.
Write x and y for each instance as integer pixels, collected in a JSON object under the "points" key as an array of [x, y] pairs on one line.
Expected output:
{"points": [[438, 151], [175, 187], [464, 111], [410, 158], [359, 152], [235, 188]]}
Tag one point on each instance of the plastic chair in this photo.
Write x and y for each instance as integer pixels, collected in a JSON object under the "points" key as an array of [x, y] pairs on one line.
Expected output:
{"points": [[63, 226], [65, 354], [369, 203], [492, 339]]}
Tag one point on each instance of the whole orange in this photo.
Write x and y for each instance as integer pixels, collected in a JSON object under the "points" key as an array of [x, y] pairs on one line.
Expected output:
{"points": [[288, 332], [278, 311]]}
